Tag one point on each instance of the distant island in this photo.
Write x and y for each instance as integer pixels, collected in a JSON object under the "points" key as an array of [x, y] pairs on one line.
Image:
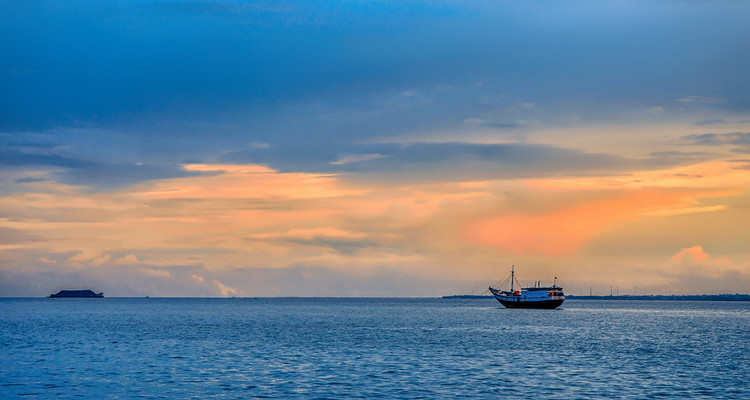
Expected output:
{"points": [[77, 294], [689, 297]]}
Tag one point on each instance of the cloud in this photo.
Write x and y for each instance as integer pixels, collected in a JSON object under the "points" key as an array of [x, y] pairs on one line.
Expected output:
{"points": [[224, 289], [97, 175], [107, 176], [720, 121], [564, 226], [99, 159], [717, 139], [691, 270], [32, 179], [336, 239], [711, 121], [655, 110], [387, 53], [239, 218], [701, 99], [289, 281], [563, 230], [523, 106], [10, 236], [695, 262], [493, 124], [10, 158], [453, 161], [157, 273], [364, 137], [89, 257], [310, 233], [129, 259], [352, 158], [694, 253]]}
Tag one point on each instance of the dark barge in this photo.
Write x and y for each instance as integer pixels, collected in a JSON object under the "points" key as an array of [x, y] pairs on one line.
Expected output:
{"points": [[77, 294]]}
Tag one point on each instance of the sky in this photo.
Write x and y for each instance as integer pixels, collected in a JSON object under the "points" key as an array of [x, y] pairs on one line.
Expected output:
{"points": [[216, 148]]}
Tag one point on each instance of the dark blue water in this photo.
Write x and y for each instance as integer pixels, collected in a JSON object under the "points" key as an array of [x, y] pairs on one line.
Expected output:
{"points": [[367, 348]]}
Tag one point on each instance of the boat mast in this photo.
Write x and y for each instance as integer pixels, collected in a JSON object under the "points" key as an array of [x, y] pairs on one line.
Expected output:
{"points": [[512, 276]]}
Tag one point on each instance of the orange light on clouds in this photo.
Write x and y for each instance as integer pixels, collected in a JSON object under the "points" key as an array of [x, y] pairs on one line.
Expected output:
{"points": [[247, 181], [696, 253], [562, 232], [646, 194], [234, 215], [249, 216]]}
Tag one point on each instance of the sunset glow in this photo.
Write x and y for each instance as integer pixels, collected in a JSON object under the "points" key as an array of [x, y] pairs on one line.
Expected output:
{"points": [[316, 156]]}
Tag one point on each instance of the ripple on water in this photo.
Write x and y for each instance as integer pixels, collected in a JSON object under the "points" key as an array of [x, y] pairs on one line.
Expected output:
{"points": [[371, 348]]}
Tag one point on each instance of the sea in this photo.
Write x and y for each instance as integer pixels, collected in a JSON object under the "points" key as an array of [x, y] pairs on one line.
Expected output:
{"points": [[395, 348]]}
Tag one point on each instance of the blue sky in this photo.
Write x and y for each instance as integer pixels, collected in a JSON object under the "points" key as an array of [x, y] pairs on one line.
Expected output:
{"points": [[112, 98], [264, 71]]}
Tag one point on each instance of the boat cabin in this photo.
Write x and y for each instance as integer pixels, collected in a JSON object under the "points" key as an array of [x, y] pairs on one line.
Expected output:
{"points": [[553, 290]]}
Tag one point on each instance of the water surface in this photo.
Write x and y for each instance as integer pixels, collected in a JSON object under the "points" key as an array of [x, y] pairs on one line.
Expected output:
{"points": [[367, 348]]}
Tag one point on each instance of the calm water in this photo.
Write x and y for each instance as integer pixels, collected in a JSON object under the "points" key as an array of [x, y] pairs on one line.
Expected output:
{"points": [[367, 348]]}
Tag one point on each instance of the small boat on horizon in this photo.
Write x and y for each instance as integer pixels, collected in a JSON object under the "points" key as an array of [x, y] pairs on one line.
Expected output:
{"points": [[537, 296]]}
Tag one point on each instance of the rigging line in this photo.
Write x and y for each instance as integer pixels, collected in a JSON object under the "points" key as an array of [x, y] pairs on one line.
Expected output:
{"points": [[503, 284], [476, 297], [501, 280]]}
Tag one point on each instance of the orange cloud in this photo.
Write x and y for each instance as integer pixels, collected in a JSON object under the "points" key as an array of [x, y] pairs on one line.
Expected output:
{"points": [[696, 262], [696, 253], [310, 233], [248, 181], [250, 216], [563, 231], [237, 215], [713, 175], [599, 202]]}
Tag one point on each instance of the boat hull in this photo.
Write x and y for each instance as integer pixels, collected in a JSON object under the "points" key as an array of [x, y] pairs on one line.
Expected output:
{"points": [[542, 304]]}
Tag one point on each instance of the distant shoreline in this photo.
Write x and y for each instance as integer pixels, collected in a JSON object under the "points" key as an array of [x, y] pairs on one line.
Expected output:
{"points": [[698, 297], [688, 297]]}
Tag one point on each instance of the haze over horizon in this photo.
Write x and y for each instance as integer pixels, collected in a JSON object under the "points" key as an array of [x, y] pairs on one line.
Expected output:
{"points": [[420, 148]]}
